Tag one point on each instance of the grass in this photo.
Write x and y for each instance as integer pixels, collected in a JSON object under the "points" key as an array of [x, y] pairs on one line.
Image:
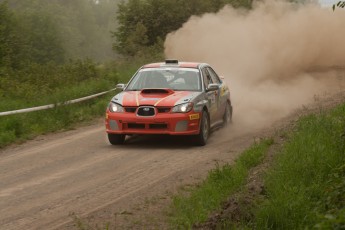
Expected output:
{"points": [[220, 183], [306, 187], [20, 127], [59, 85], [62, 94]]}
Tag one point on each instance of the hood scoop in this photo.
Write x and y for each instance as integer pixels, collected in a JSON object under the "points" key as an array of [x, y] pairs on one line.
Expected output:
{"points": [[157, 91]]}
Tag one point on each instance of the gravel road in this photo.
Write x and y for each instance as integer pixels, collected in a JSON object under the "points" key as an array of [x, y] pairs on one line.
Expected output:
{"points": [[44, 181]]}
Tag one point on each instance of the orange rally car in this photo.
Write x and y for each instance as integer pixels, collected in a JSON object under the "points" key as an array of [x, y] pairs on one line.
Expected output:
{"points": [[172, 97]]}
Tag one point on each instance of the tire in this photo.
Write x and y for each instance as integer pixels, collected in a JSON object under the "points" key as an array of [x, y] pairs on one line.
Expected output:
{"points": [[227, 117], [202, 137], [116, 139]]}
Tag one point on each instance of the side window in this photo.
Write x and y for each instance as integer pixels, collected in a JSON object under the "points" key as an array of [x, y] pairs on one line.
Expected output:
{"points": [[214, 76], [207, 77]]}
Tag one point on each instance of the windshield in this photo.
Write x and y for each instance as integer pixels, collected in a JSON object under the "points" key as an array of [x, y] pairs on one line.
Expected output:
{"points": [[178, 79]]}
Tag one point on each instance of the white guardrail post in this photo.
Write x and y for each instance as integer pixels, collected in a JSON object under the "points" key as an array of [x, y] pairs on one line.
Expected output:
{"points": [[44, 107]]}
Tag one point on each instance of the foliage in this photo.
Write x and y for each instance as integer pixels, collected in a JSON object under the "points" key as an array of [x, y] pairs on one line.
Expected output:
{"points": [[30, 87], [340, 4], [306, 187], [43, 43], [144, 23], [36, 80], [28, 37], [333, 201], [26, 126], [59, 30], [10, 41]]}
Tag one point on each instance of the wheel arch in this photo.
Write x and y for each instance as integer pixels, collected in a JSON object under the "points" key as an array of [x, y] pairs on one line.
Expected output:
{"points": [[208, 115]]}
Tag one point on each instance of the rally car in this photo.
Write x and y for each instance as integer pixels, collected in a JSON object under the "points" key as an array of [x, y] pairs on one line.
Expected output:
{"points": [[172, 97]]}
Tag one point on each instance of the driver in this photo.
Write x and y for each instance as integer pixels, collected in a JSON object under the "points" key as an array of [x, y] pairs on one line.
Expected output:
{"points": [[158, 80], [191, 80]]}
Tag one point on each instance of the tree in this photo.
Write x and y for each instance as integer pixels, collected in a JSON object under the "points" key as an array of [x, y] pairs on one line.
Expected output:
{"points": [[157, 18], [82, 27], [43, 41], [10, 43]]}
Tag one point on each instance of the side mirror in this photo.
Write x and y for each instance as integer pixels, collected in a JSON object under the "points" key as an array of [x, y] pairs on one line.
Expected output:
{"points": [[212, 87], [121, 86]]}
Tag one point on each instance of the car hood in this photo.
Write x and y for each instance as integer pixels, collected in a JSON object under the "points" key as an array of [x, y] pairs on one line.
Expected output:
{"points": [[154, 97]]}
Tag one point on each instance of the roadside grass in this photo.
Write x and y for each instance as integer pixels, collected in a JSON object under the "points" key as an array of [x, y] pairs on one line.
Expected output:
{"points": [[220, 184], [56, 88], [305, 188], [61, 94], [20, 127]]}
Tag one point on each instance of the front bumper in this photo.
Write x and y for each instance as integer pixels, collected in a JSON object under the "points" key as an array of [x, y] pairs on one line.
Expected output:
{"points": [[165, 123]]}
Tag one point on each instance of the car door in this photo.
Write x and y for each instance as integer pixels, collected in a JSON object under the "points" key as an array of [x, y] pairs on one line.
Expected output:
{"points": [[212, 96], [220, 102]]}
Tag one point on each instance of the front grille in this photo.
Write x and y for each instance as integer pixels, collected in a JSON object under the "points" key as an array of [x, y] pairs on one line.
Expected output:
{"points": [[146, 111], [130, 109], [159, 110]]}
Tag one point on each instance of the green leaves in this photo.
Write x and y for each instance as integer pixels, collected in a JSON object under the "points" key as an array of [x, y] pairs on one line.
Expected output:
{"points": [[58, 30], [143, 23], [340, 4], [28, 36], [43, 41], [10, 43]]}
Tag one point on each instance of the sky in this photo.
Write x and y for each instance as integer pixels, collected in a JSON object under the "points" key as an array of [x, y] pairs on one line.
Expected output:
{"points": [[326, 3]]}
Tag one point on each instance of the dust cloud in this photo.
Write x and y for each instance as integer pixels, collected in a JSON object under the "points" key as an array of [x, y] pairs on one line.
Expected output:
{"points": [[275, 58]]}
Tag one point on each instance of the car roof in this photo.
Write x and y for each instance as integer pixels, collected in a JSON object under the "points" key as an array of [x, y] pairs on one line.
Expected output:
{"points": [[174, 63]]}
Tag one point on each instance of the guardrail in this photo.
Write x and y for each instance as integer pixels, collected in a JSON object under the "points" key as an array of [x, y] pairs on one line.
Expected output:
{"points": [[44, 107]]}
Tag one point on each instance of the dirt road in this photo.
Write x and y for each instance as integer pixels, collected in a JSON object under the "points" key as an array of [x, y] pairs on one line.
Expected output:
{"points": [[45, 180]]}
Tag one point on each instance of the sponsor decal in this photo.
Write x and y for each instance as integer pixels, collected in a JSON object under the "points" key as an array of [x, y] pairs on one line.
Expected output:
{"points": [[194, 116], [223, 90]]}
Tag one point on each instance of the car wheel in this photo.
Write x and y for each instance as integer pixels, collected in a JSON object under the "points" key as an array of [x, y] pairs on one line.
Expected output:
{"points": [[116, 139], [227, 117], [204, 133]]}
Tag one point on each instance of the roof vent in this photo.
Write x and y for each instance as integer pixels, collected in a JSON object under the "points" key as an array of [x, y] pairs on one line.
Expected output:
{"points": [[171, 61]]}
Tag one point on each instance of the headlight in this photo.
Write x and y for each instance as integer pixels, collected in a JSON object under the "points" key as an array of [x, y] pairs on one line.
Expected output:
{"points": [[183, 108], [115, 108]]}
